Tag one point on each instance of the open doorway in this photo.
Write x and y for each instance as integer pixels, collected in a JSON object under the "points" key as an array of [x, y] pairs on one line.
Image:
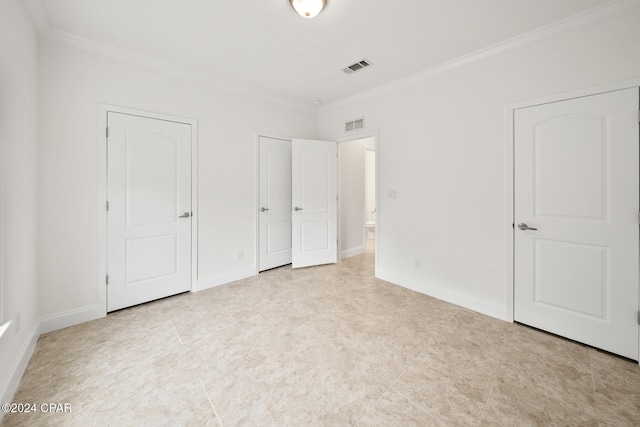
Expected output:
{"points": [[370, 198], [357, 188]]}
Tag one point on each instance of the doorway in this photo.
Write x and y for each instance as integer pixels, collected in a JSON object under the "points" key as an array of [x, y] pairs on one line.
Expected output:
{"points": [[357, 196], [576, 201]]}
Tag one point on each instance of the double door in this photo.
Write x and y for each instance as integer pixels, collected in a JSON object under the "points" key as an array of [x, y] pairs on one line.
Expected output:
{"points": [[297, 202]]}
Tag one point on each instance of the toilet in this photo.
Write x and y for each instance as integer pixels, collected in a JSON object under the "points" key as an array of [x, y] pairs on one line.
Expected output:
{"points": [[371, 229]]}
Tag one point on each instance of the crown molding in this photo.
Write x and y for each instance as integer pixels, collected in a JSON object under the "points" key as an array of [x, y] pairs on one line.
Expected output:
{"points": [[46, 31], [37, 15], [597, 15]]}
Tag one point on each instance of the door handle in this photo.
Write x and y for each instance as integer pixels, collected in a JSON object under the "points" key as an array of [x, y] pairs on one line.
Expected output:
{"points": [[523, 226], [185, 215], [297, 209], [264, 209]]}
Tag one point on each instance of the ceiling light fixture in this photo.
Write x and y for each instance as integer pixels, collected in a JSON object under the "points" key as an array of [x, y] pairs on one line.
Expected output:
{"points": [[308, 8]]}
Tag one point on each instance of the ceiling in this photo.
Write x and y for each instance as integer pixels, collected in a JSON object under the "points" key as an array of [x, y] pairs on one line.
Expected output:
{"points": [[265, 46]]}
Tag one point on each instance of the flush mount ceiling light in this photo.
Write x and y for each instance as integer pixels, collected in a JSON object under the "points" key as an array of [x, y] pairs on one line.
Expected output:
{"points": [[307, 8]]}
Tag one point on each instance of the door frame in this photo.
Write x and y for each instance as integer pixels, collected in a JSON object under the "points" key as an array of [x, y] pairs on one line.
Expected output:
{"points": [[355, 137], [256, 247], [510, 171], [103, 109]]}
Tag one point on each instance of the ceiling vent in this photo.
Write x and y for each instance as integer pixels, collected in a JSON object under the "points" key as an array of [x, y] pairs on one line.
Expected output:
{"points": [[356, 124], [357, 66]]}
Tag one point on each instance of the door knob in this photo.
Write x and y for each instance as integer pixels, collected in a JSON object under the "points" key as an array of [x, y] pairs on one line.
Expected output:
{"points": [[297, 209], [185, 215], [264, 209], [523, 226]]}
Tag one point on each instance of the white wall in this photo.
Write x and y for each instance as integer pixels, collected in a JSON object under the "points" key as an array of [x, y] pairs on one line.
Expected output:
{"points": [[73, 83], [442, 146], [18, 190], [352, 197], [370, 183]]}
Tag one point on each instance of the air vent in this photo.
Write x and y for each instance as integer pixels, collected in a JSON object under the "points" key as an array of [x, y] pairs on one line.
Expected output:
{"points": [[352, 125], [357, 66]]}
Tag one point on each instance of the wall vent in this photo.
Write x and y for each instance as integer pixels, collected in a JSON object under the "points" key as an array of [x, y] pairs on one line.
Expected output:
{"points": [[357, 66], [352, 125]]}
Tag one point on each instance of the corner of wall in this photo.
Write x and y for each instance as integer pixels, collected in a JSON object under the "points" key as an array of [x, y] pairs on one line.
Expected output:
{"points": [[18, 367], [70, 318], [482, 307], [223, 279]]}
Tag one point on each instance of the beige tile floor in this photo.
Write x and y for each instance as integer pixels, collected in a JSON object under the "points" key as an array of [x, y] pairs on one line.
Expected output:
{"points": [[322, 346]]}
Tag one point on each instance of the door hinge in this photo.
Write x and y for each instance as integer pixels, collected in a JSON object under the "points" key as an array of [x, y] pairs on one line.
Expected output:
{"points": [[638, 217], [107, 281], [107, 132], [107, 205]]}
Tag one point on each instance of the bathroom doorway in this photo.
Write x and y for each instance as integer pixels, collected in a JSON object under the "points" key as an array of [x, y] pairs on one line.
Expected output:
{"points": [[357, 201], [370, 198]]}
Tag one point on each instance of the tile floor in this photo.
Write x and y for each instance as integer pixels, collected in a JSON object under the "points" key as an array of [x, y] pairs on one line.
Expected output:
{"points": [[322, 346]]}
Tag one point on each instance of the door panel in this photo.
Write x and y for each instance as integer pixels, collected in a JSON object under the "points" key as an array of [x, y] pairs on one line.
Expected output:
{"points": [[576, 182], [151, 178], [275, 198], [315, 192], [148, 187]]}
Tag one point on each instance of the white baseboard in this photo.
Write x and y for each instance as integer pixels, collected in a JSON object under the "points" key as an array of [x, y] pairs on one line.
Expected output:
{"points": [[71, 318], [223, 279], [483, 307], [352, 252], [18, 367]]}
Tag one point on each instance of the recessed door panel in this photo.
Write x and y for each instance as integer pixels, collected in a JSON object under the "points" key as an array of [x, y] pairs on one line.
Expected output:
{"points": [[279, 237], [315, 189], [152, 181], [578, 191], [314, 236], [573, 277], [149, 258], [279, 179]]}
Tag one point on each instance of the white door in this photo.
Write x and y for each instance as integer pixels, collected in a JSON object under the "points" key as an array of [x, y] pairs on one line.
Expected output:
{"points": [[275, 202], [315, 206], [149, 216], [576, 188]]}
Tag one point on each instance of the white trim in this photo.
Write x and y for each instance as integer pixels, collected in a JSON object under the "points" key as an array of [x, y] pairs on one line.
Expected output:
{"points": [[510, 170], [483, 307], [355, 137], [509, 224], [71, 318], [594, 16], [103, 109], [578, 93], [17, 368], [353, 251], [222, 279]]}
